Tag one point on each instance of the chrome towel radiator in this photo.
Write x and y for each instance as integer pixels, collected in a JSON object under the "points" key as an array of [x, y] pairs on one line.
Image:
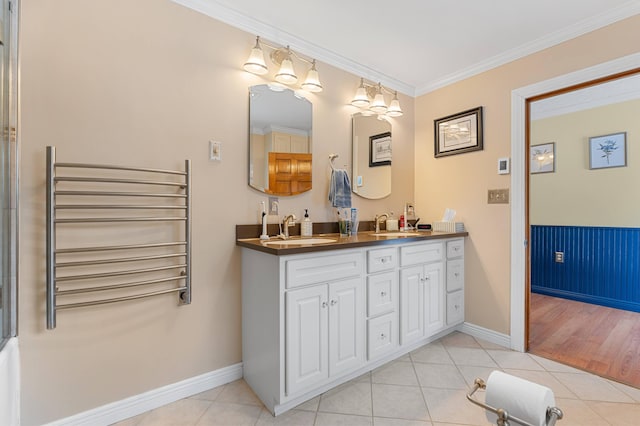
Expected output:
{"points": [[84, 273]]}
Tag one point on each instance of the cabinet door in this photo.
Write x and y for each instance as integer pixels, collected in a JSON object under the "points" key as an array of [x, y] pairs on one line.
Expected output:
{"points": [[281, 142], [434, 304], [411, 304], [346, 325], [299, 144], [306, 337]]}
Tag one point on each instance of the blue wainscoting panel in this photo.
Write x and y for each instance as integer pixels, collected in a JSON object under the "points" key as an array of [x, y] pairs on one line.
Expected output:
{"points": [[601, 264]]}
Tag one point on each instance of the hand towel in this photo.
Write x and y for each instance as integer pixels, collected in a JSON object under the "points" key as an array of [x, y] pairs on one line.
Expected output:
{"points": [[340, 189]]}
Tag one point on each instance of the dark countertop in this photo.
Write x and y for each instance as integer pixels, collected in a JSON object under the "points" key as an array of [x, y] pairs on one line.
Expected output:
{"points": [[363, 239]]}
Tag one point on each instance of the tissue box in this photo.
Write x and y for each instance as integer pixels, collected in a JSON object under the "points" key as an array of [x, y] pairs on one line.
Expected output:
{"points": [[448, 226]]}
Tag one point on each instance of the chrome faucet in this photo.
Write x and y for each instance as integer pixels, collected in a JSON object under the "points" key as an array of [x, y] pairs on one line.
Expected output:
{"points": [[377, 220], [285, 225]]}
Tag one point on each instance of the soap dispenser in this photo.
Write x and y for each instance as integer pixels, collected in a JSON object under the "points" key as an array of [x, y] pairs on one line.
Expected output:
{"points": [[306, 227]]}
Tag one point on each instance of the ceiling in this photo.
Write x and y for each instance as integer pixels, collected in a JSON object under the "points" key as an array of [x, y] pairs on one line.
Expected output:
{"points": [[416, 46]]}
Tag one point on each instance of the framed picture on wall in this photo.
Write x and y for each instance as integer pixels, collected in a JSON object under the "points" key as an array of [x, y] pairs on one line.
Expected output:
{"points": [[608, 151], [380, 150], [542, 158], [458, 133]]}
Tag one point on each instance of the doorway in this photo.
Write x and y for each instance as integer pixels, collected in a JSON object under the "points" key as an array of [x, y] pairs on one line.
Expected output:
{"points": [[519, 276], [521, 99], [583, 310]]}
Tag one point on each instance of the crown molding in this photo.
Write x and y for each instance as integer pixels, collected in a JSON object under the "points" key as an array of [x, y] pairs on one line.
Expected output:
{"points": [[253, 26], [626, 10], [231, 17]]}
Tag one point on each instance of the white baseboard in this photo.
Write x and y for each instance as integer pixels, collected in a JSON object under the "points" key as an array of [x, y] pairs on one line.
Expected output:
{"points": [[138, 404], [486, 334]]}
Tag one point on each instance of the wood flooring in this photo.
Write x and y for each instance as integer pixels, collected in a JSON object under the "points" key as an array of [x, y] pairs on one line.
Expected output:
{"points": [[600, 340]]}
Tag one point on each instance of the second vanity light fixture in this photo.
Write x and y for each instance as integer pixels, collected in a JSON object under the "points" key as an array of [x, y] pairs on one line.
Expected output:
{"points": [[282, 56], [370, 98]]}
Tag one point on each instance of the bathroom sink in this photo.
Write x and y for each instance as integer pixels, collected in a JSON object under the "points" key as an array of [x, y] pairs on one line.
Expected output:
{"points": [[396, 234], [301, 241]]}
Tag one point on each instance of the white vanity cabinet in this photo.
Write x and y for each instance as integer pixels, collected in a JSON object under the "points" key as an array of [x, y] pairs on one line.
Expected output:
{"points": [[382, 302], [324, 334], [455, 281], [422, 287], [311, 321]]}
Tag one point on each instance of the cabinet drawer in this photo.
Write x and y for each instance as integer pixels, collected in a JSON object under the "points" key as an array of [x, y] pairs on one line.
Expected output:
{"points": [[320, 269], [421, 253], [455, 274], [455, 248], [382, 259], [382, 335], [382, 293], [455, 307]]}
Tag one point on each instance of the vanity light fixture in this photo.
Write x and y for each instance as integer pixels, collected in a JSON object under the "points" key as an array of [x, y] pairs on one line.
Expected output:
{"points": [[361, 99], [312, 82], [366, 92], [283, 57], [255, 64]]}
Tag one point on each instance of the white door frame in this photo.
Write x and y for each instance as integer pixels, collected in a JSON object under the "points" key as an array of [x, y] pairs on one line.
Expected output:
{"points": [[518, 158]]}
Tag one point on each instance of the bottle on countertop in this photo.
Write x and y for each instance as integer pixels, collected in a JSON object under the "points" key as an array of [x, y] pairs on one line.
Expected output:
{"points": [[306, 226]]}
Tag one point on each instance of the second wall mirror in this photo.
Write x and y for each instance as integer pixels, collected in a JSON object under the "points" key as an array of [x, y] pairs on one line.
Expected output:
{"points": [[280, 143], [371, 144]]}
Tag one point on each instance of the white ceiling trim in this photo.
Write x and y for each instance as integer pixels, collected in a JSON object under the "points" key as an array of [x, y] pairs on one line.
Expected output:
{"points": [[222, 13], [275, 35], [624, 11]]}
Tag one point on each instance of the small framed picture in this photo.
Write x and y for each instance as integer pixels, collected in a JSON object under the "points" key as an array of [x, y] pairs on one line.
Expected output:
{"points": [[380, 150], [458, 133], [608, 151], [542, 158]]}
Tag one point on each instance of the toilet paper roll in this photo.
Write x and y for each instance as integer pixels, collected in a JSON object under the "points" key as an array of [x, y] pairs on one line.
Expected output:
{"points": [[521, 398]]}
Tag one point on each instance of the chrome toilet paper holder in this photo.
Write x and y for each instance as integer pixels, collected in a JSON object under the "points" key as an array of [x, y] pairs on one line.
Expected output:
{"points": [[553, 413]]}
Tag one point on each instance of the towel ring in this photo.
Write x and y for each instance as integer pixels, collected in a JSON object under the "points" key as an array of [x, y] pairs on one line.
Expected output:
{"points": [[331, 158]]}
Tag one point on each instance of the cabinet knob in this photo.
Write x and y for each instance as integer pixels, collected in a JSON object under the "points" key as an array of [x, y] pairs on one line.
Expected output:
{"points": [[383, 260], [456, 274], [427, 278], [333, 302], [324, 304], [456, 306], [382, 336], [383, 293]]}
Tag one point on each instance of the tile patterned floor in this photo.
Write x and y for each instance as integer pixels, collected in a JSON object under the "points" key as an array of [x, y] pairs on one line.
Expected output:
{"points": [[424, 388]]}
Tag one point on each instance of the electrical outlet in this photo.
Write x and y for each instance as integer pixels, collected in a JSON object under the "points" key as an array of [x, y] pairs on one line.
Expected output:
{"points": [[559, 256], [498, 196], [273, 206]]}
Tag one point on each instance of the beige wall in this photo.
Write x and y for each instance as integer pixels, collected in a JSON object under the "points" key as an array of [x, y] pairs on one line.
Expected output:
{"points": [[461, 181], [575, 195], [148, 83]]}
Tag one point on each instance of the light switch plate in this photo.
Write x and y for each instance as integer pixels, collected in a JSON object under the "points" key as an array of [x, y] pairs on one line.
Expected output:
{"points": [[215, 150], [498, 196]]}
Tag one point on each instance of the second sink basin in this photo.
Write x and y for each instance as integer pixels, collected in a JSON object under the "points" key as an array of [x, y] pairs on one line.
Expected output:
{"points": [[396, 234], [301, 241]]}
